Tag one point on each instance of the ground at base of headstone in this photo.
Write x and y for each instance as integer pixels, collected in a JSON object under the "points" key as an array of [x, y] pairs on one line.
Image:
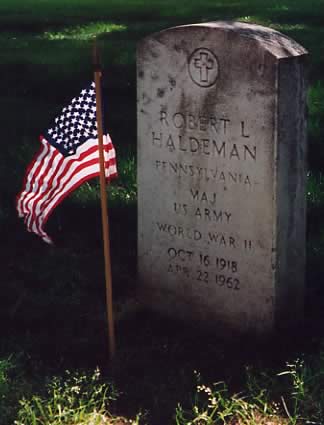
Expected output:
{"points": [[164, 371]]}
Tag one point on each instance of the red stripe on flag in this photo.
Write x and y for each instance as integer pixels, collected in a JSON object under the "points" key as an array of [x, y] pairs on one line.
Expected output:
{"points": [[50, 181], [38, 190], [20, 197]]}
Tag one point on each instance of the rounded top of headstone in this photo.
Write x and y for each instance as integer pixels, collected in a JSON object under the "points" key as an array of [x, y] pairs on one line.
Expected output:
{"points": [[278, 44]]}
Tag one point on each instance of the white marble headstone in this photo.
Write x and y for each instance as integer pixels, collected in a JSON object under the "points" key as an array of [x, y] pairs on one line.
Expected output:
{"points": [[221, 174]]}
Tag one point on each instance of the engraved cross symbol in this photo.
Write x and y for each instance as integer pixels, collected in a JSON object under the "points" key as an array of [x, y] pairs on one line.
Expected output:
{"points": [[204, 64], [203, 67]]}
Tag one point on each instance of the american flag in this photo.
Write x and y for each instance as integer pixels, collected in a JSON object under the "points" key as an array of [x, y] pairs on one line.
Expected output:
{"points": [[69, 156]]}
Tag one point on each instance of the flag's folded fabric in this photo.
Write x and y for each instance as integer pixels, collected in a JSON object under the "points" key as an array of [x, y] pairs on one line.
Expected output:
{"points": [[69, 156]]}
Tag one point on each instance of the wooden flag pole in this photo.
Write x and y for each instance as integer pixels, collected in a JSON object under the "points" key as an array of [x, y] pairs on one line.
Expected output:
{"points": [[104, 209]]}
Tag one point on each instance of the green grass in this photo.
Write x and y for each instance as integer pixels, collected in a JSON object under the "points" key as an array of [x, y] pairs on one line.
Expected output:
{"points": [[73, 398], [293, 396], [85, 32], [289, 395]]}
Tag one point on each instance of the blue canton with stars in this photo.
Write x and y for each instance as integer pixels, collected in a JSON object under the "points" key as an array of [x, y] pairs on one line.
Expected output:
{"points": [[76, 124]]}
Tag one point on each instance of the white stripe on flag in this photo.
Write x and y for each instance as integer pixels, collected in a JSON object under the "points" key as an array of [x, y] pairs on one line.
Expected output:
{"points": [[53, 176]]}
